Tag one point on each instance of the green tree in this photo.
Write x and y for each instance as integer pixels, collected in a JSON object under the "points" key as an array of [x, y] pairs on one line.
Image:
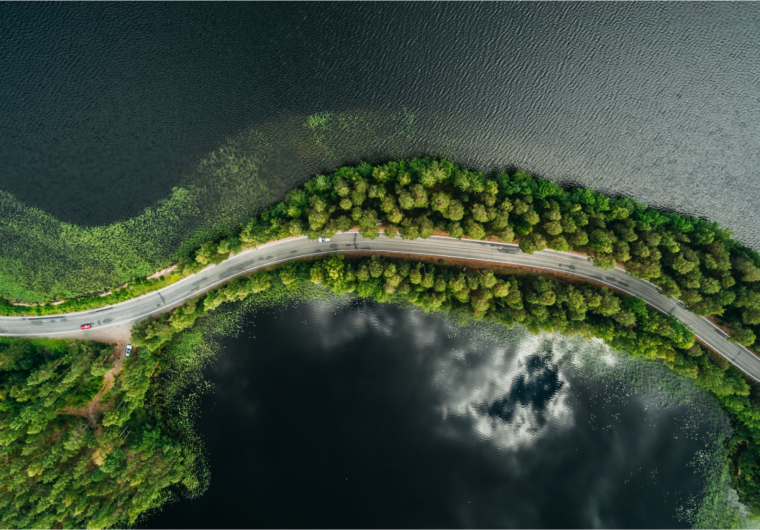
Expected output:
{"points": [[207, 253], [600, 242], [473, 229], [440, 202], [578, 238], [455, 211], [288, 274], [479, 213], [750, 272], [531, 243]]}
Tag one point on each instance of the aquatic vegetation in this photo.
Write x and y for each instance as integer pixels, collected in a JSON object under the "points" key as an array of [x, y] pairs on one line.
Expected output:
{"points": [[45, 260], [624, 378], [131, 290]]}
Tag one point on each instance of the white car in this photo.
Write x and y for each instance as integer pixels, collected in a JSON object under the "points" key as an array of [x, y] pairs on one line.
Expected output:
{"points": [[323, 239], [129, 349]]}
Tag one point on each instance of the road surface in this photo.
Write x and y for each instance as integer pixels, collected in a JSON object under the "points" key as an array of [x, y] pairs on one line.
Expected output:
{"points": [[137, 309]]}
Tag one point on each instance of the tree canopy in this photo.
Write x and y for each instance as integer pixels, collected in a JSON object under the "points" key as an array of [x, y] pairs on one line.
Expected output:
{"points": [[692, 259], [58, 469]]}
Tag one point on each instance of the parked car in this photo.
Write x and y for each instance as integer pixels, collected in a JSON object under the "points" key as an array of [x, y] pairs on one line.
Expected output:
{"points": [[129, 349], [323, 239], [85, 326]]}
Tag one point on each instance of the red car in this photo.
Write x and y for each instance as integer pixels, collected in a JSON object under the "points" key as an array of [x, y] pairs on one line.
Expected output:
{"points": [[85, 326]]}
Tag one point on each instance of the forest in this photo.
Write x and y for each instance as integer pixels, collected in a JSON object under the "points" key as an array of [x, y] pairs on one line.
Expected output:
{"points": [[63, 469], [134, 457]]}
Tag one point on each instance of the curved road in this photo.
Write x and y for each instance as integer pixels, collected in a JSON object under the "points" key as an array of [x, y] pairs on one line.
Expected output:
{"points": [[139, 308]]}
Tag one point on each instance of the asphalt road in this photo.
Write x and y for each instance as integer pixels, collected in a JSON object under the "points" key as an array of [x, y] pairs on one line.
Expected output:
{"points": [[139, 308]]}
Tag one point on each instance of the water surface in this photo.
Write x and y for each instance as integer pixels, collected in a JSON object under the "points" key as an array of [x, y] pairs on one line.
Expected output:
{"points": [[365, 415], [104, 107]]}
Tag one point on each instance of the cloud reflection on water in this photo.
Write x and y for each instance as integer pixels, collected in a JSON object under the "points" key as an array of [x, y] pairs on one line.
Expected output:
{"points": [[374, 416], [510, 395]]}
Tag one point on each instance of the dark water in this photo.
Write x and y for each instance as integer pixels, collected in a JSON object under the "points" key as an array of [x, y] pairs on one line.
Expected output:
{"points": [[104, 106], [358, 415]]}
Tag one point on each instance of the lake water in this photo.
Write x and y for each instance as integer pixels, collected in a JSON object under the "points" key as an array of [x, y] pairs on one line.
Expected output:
{"points": [[364, 415], [367, 416], [104, 107]]}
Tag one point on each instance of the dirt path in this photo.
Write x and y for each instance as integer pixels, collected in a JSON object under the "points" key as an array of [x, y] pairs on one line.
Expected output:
{"points": [[93, 407]]}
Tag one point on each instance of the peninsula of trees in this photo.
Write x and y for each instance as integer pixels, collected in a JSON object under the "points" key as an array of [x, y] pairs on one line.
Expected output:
{"points": [[691, 259]]}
